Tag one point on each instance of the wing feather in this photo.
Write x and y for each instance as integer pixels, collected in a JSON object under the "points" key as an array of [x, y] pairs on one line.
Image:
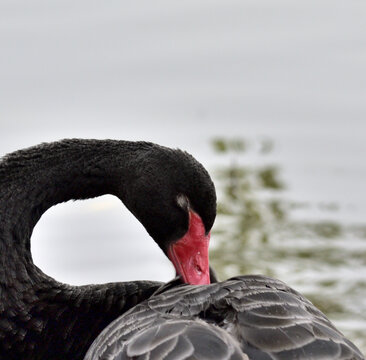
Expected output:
{"points": [[247, 317]]}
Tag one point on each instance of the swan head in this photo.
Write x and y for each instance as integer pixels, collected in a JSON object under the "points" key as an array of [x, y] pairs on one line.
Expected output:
{"points": [[174, 198]]}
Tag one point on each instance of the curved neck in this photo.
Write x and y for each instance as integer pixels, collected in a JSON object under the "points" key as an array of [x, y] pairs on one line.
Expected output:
{"points": [[33, 180]]}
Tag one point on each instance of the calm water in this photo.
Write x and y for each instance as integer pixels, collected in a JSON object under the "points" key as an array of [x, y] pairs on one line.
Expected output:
{"points": [[262, 229]]}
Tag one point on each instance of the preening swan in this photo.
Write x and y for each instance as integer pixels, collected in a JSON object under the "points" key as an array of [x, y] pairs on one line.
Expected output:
{"points": [[172, 195]]}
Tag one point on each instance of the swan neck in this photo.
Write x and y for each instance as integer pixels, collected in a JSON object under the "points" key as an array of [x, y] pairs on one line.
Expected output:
{"points": [[34, 180]]}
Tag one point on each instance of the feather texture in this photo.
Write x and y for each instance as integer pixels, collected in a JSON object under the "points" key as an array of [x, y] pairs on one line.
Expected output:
{"points": [[248, 317]]}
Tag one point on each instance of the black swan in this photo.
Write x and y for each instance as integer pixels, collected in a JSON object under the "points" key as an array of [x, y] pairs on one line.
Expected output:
{"points": [[249, 317], [167, 190]]}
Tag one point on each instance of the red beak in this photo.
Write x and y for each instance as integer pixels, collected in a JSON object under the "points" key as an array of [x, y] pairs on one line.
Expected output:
{"points": [[190, 253]]}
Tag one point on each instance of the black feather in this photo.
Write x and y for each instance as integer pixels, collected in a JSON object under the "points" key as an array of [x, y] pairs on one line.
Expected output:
{"points": [[248, 317]]}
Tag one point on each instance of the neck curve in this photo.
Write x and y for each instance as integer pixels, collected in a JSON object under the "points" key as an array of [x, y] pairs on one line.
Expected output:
{"points": [[35, 179]]}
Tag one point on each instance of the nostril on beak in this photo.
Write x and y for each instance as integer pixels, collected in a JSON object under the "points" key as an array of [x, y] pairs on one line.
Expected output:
{"points": [[198, 268]]}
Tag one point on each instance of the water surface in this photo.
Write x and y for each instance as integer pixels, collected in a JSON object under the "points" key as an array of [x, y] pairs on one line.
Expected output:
{"points": [[261, 228]]}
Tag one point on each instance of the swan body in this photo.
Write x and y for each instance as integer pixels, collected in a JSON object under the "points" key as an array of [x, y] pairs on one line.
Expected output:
{"points": [[172, 195], [247, 317]]}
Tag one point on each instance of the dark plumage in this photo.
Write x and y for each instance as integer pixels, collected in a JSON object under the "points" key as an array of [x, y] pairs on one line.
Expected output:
{"points": [[248, 317], [41, 318]]}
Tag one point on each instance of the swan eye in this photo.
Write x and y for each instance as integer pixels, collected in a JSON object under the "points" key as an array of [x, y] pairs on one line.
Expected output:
{"points": [[183, 201]]}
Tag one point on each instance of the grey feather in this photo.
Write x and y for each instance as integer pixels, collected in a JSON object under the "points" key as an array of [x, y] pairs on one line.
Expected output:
{"points": [[248, 317]]}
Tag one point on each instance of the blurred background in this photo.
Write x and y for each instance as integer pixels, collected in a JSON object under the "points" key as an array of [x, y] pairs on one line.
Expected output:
{"points": [[269, 95]]}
